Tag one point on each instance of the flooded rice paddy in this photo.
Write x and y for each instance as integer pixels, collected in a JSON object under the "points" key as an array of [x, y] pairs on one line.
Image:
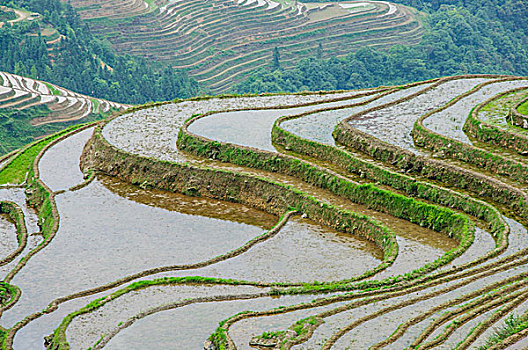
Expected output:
{"points": [[139, 267], [458, 112]]}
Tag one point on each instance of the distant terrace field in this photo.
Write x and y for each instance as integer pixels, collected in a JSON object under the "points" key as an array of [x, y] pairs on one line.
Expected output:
{"points": [[18, 92], [220, 41]]}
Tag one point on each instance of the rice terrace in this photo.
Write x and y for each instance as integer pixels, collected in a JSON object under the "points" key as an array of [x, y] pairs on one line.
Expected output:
{"points": [[304, 221], [389, 217], [220, 41]]}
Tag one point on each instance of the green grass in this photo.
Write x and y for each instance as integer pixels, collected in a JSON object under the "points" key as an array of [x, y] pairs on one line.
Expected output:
{"points": [[15, 172], [523, 109], [54, 91], [96, 105], [512, 325]]}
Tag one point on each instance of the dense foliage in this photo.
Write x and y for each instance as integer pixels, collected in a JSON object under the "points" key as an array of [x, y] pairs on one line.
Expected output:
{"points": [[464, 37], [17, 131], [82, 63]]}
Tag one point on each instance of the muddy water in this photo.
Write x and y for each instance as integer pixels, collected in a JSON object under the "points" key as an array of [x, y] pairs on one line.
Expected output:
{"points": [[319, 126], [394, 124], [376, 330], [482, 244], [106, 230], [197, 206], [8, 235], [59, 167], [381, 327], [302, 252], [242, 331], [31, 336], [103, 237], [253, 128], [17, 196], [518, 311], [418, 245], [153, 132], [333, 323], [450, 121], [86, 329], [188, 327]]}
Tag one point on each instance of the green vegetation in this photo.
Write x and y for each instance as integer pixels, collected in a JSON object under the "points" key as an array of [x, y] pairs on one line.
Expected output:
{"points": [[54, 91], [15, 172], [82, 63], [523, 108], [59, 341], [406, 289], [5, 293], [501, 128], [229, 42], [512, 325], [460, 37], [16, 129], [7, 16]]}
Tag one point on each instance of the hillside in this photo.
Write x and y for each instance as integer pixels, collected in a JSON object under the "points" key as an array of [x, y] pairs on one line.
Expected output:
{"points": [[47, 40], [460, 37], [31, 108], [220, 42], [21, 93], [400, 209]]}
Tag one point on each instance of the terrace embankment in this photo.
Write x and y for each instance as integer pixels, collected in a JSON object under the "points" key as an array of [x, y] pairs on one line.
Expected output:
{"points": [[220, 41], [65, 106], [274, 158]]}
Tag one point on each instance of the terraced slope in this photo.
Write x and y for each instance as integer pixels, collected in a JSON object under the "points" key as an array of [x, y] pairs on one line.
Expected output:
{"points": [[219, 41], [20, 93], [359, 219]]}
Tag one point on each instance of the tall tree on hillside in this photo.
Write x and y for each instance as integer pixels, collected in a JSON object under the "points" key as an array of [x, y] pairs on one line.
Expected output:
{"points": [[319, 53], [276, 58]]}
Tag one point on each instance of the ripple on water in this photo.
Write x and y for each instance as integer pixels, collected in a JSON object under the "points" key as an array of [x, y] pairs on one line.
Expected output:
{"points": [[8, 236], [86, 329], [395, 123], [59, 167], [319, 126], [450, 121], [194, 324], [301, 252], [253, 128], [153, 132], [104, 236]]}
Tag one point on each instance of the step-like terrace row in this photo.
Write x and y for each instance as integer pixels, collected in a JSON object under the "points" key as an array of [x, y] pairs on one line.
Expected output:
{"points": [[208, 37], [485, 289], [466, 274], [19, 92]]}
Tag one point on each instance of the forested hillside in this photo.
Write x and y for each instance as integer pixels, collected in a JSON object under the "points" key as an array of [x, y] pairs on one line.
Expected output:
{"points": [[461, 37], [221, 42], [56, 46]]}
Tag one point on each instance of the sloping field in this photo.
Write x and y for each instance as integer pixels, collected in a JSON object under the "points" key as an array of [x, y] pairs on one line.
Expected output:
{"points": [[18, 92], [220, 41], [389, 218]]}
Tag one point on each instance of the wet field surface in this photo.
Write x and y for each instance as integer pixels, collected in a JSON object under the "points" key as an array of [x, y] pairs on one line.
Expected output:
{"points": [[110, 229]]}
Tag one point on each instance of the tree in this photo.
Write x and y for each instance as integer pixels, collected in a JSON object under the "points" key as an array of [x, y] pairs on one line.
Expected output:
{"points": [[276, 58], [319, 54]]}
